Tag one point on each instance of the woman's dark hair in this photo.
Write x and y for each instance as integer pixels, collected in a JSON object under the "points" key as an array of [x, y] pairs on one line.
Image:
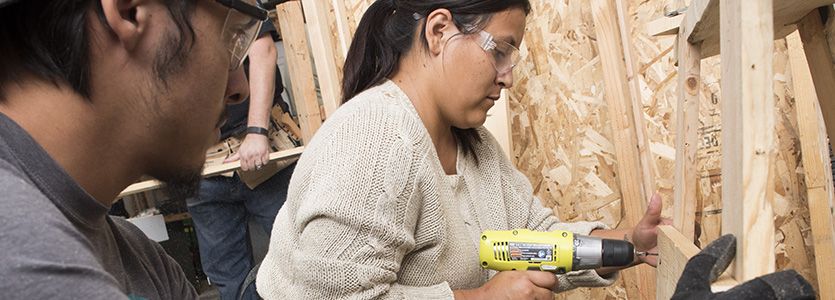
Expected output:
{"points": [[386, 32], [50, 39]]}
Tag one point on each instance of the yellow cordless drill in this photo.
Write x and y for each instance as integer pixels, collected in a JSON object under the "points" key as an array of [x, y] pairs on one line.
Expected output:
{"points": [[557, 252]]}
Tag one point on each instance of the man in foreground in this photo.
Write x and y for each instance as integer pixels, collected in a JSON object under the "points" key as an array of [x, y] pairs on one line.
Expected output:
{"points": [[93, 95]]}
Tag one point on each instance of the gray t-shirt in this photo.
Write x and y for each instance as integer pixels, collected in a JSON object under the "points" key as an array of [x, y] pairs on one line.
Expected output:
{"points": [[57, 242]]}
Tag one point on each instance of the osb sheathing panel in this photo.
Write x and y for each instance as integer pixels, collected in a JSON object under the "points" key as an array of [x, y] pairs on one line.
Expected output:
{"points": [[562, 140], [561, 134]]}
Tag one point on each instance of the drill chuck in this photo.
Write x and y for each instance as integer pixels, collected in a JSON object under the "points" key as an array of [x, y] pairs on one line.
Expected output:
{"points": [[591, 252]]}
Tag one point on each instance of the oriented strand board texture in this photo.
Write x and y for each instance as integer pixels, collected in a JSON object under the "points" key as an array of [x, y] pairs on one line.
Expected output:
{"points": [[562, 137]]}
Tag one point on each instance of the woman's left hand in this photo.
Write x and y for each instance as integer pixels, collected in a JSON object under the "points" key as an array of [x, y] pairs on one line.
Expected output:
{"points": [[645, 234]]}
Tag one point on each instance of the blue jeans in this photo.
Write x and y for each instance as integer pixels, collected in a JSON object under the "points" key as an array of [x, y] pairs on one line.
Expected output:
{"points": [[221, 215]]}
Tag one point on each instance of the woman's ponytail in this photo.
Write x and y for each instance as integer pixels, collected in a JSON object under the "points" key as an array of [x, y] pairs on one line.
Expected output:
{"points": [[371, 57]]}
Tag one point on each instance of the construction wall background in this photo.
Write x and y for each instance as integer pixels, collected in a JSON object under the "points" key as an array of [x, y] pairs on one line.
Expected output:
{"points": [[561, 136]]}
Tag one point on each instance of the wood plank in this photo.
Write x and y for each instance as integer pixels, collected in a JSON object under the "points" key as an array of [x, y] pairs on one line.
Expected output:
{"points": [[299, 66], [816, 47], [748, 146], [621, 114], [644, 153], [644, 274], [342, 30], [210, 171], [813, 142], [322, 46], [675, 250], [665, 25], [702, 21], [687, 135], [620, 108]]}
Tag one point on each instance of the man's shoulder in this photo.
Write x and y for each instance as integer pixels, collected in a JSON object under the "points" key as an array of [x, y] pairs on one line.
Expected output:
{"points": [[21, 197]]}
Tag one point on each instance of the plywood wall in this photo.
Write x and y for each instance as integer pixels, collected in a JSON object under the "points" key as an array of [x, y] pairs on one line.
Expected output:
{"points": [[561, 139]]}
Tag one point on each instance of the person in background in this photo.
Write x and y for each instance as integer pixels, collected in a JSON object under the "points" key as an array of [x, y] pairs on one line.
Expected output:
{"points": [[391, 196], [222, 209], [95, 94]]}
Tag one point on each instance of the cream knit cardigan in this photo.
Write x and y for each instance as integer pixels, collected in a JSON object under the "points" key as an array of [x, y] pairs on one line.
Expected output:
{"points": [[370, 213]]}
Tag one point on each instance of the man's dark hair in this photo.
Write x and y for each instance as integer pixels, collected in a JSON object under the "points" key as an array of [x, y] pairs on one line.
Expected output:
{"points": [[50, 39]]}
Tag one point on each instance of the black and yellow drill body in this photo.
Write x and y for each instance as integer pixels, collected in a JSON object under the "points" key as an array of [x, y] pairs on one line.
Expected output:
{"points": [[557, 251]]}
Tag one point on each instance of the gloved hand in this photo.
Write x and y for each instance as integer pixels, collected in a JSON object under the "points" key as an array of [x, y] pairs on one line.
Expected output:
{"points": [[704, 268]]}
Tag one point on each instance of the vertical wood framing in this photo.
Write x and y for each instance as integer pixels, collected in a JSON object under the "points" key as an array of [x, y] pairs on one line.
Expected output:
{"points": [[748, 133], [644, 154], [687, 124], [813, 35], [622, 118], [812, 134], [342, 30], [290, 20], [322, 47], [620, 108]]}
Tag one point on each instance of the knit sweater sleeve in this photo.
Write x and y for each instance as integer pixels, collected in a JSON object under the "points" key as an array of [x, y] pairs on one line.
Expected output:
{"points": [[541, 218], [353, 206]]}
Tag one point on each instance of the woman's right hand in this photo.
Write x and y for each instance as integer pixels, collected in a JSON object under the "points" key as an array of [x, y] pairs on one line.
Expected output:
{"points": [[514, 285]]}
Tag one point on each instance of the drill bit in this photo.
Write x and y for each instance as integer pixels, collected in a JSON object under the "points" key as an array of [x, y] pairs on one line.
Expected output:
{"points": [[645, 253]]}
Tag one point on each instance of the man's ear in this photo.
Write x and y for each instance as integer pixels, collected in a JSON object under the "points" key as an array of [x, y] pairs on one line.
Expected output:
{"points": [[127, 19], [439, 29]]}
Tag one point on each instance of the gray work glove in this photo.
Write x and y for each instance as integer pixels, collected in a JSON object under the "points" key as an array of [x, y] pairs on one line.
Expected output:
{"points": [[704, 268]]}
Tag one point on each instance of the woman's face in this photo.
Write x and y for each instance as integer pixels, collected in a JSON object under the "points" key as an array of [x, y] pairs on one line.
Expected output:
{"points": [[470, 83]]}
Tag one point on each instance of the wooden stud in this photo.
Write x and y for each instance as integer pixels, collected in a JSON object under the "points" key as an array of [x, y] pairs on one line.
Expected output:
{"points": [[210, 171], [322, 47], [665, 26], [813, 35], [644, 154], [299, 66], [342, 30], [748, 146], [621, 113], [620, 108], [687, 125], [675, 250], [819, 186], [702, 20]]}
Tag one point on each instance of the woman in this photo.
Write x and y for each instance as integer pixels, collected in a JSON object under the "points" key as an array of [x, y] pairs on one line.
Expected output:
{"points": [[391, 196]]}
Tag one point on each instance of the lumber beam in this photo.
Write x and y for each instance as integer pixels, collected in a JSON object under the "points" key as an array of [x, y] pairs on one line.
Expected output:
{"points": [[702, 20], [210, 171], [813, 36], [300, 67], [342, 30], [322, 46], [748, 146], [665, 25], [813, 142], [675, 250], [644, 154], [687, 125], [620, 108], [636, 183]]}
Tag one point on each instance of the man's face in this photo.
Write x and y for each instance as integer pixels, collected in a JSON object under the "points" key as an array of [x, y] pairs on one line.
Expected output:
{"points": [[189, 106]]}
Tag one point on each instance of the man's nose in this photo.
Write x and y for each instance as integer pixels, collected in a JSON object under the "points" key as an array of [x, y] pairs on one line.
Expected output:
{"points": [[237, 87]]}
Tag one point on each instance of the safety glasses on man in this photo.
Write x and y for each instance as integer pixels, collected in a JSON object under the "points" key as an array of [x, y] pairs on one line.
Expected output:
{"points": [[241, 27]]}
